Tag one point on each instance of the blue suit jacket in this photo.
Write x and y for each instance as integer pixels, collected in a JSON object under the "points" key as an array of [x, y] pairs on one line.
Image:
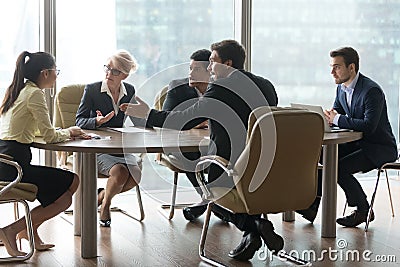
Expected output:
{"points": [[368, 114], [93, 99]]}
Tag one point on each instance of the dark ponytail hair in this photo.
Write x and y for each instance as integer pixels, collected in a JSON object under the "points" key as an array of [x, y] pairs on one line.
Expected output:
{"points": [[28, 66]]}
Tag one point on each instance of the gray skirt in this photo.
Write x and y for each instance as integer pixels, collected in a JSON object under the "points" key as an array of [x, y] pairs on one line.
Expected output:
{"points": [[106, 161]]}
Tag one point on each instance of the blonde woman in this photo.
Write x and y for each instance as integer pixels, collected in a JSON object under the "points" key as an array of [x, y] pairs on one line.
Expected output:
{"points": [[99, 107]]}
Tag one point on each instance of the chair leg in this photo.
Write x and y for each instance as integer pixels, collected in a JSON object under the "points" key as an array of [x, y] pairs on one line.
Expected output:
{"points": [[345, 206], [372, 202], [390, 194], [139, 198], [117, 209], [29, 230], [16, 217], [203, 237], [173, 204]]}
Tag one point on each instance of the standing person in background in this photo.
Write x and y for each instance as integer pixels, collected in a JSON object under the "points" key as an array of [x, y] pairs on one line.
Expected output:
{"points": [[181, 94], [23, 114], [99, 107]]}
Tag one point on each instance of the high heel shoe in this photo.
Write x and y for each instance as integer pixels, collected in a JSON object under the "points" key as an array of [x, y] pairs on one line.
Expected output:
{"points": [[105, 223], [11, 251], [38, 246]]}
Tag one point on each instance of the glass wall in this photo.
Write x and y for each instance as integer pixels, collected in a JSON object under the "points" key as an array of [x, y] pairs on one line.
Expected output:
{"points": [[292, 40], [161, 34], [19, 20]]}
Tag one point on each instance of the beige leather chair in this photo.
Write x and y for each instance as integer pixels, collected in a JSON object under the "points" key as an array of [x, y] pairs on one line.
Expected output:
{"points": [[66, 105], [167, 161], [16, 192], [264, 181]]}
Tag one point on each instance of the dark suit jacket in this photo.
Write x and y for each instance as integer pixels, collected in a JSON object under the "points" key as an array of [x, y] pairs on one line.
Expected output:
{"points": [[180, 95], [368, 114], [93, 99], [227, 103]]}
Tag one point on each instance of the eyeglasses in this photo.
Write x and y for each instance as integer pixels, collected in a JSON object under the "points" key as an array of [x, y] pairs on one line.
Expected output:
{"points": [[57, 71], [113, 72]]}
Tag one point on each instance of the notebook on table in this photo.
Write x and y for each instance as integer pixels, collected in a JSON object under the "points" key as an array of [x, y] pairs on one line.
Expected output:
{"points": [[320, 111]]}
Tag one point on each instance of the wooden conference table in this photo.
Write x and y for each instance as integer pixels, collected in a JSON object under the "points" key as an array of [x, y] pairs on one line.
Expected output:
{"points": [[329, 178], [164, 140], [150, 141]]}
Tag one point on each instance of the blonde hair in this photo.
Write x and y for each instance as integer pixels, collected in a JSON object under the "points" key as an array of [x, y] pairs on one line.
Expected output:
{"points": [[124, 61]]}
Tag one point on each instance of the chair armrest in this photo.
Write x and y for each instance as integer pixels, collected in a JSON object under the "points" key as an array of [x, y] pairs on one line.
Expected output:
{"points": [[204, 162], [4, 156], [9, 160]]}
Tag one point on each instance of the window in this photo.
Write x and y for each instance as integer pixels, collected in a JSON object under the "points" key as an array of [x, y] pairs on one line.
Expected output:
{"points": [[292, 40], [20, 31], [161, 34]]}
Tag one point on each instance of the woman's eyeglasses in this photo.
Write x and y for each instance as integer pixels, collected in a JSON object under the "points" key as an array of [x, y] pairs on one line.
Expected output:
{"points": [[57, 71], [113, 72]]}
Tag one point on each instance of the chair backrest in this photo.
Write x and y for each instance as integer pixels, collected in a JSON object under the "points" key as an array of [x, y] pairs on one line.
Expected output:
{"points": [[67, 104], [277, 171], [65, 108], [160, 98]]}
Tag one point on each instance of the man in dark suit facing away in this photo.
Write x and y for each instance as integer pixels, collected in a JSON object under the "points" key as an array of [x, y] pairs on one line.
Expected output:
{"points": [[227, 104], [181, 94], [360, 105]]}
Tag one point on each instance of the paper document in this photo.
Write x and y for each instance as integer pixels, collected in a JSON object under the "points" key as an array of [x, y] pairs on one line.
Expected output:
{"points": [[129, 129]]}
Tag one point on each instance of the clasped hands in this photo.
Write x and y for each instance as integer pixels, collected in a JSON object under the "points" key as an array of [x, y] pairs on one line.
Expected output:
{"points": [[330, 115]]}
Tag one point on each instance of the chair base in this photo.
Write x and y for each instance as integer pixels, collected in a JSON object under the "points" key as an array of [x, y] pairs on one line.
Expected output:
{"points": [[139, 217], [28, 221], [173, 205], [280, 255], [169, 215], [141, 210]]}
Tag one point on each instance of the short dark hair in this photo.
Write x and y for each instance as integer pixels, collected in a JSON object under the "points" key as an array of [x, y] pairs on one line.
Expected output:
{"points": [[230, 50], [201, 55], [349, 55]]}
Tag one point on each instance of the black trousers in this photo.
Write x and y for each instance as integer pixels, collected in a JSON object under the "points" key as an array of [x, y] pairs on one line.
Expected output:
{"points": [[216, 176], [352, 160], [242, 221]]}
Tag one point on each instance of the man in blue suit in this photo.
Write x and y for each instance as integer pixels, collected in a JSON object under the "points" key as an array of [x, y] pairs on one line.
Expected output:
{"points": [[360, 105]]}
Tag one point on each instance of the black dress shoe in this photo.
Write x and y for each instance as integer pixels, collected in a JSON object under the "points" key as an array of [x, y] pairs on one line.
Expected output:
{"points": [[310, 213], [105, 223], [273, 241], [194, 212], [247, 247], [355, 218]]}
